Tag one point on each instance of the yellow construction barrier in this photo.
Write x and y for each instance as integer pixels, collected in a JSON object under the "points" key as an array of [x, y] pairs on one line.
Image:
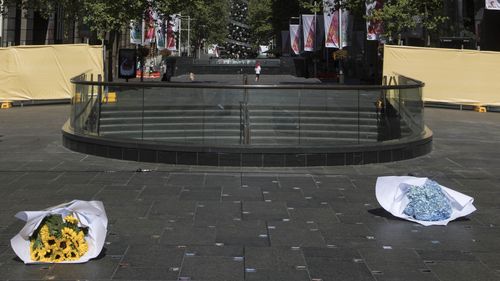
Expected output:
{"points": [[43, 72], [466, 77]]}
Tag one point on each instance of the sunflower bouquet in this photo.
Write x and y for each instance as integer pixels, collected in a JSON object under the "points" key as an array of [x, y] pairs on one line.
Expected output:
{"points": [[58, 239], [72, 232]]}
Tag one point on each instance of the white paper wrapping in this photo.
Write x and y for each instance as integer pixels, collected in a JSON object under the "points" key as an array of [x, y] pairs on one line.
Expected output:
{"points": [[391, 195], [90, 214]]}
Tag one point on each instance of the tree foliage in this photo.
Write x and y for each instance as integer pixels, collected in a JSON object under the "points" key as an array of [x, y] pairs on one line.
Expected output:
{"points": [[209, 20], [260, 15], [399, 16]]}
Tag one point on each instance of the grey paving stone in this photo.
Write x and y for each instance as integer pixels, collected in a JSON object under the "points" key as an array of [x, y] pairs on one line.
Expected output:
{"points": [[236, 252], [277, 275], [172, 207], [223, 180], [153, 192], [150, 178], [153, 256], [113, 177], [323, 217], [187, 180], [332, 269], [334, 181], [242, 194], [291, 195], [97, 269], [270, 211], [22, 272], [275, 263], [445, 255], [286, 260], [138, 229], [211, 213], [345, 254], [462, 270], [260, 181], [187, 234], [295, 234], [407, 274], [116, 196], [242, 233], [145, 273], [212, 268], [199, 195], [304, 182]]}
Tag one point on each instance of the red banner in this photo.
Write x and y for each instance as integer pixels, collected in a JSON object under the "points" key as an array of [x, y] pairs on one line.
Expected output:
{"points": [[309, 30], [295, 38]]}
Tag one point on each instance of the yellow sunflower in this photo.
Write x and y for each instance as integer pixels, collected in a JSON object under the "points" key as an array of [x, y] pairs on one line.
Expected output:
{"points": [[64, 245], [68, 233], [82, 246], [44, 232], [72, 255], [70, 219], [50, 242], [57, 256], [35, 254]]}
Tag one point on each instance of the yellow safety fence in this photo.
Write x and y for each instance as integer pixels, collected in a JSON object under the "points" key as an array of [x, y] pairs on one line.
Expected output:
{"points": [[450, 76], [44, 72]]}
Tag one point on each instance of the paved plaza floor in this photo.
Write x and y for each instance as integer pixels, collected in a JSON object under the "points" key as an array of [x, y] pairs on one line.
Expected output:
{"points": [[229, 224]]}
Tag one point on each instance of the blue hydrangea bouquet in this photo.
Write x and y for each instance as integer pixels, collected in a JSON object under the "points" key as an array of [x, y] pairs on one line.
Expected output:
{"points": [[422, 200]]}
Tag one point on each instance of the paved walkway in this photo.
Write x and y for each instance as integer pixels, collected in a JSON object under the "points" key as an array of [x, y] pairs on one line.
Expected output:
{"points": [[203, 223]]}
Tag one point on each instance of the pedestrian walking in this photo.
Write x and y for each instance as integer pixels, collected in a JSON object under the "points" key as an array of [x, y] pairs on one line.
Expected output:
{"points": [[257, 71]]}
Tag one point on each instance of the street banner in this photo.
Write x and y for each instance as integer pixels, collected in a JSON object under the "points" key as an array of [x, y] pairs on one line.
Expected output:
{"points": [[149, 32], [295, 38], [336, 24], [171, 42], [160, 33], [309, 30], [136, 28], [332, 37], [493, 4], [373, 27]]}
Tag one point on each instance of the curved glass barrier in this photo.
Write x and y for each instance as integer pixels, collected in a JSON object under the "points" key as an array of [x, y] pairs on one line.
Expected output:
{"points": [[247, 115]]}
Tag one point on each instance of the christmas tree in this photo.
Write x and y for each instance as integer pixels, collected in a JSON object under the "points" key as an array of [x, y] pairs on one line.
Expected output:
{"points": [[237, 44]]}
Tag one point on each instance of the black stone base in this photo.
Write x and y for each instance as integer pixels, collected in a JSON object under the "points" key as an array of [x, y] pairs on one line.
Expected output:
{"points": [[250, 156]]}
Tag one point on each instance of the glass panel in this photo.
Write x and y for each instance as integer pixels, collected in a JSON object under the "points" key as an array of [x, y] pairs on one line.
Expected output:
{"points": [[192, 115], [214, 116], [412, 111], [121, 112], [371, 116], [223, 116], [274, 116]]}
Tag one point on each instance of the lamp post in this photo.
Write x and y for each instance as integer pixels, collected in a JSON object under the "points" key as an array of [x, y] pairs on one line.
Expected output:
{"points": [[315, 39]]}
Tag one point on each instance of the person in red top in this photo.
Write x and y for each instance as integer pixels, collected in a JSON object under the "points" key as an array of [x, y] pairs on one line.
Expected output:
{"points": [[257, 71]]}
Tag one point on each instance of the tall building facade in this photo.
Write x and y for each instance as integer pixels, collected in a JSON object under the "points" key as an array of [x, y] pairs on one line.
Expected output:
{"points": [[27, 27]]}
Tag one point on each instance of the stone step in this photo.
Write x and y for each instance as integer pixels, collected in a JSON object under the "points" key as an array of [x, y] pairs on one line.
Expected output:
{"points": [[235, 126], [260, 112], [275, 120], [255, 134]]}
